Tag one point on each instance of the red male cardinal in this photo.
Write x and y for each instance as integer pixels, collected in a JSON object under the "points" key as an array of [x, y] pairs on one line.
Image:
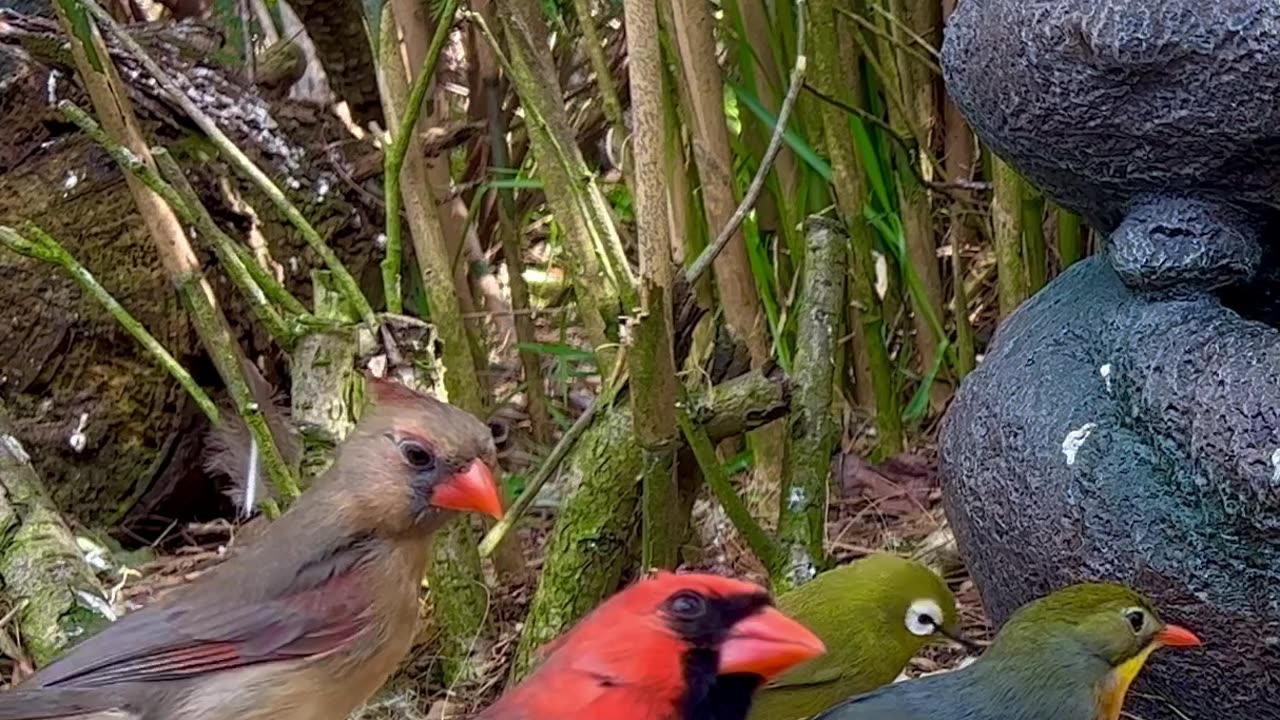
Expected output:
{"points": [[673, 647], [308, 620]]}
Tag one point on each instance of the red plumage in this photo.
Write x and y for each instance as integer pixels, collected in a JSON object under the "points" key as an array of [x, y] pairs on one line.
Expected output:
{"points": [[630, 659]]}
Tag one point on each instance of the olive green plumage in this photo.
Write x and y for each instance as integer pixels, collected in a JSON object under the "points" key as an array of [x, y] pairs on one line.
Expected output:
{"points": [[873, 615], [1067, 656]]}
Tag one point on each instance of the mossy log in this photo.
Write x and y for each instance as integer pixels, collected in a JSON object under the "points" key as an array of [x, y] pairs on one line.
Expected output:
{"points": [[593, 538], [65, 364], [41, 569]]}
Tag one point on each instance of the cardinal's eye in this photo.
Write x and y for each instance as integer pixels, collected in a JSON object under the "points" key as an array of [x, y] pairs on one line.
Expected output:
{"points": [[688, 606], [1137, 619], [417, 456]]}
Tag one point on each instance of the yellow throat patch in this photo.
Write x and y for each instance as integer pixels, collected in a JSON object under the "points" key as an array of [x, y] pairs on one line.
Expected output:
{"points": [[1111, 694]]}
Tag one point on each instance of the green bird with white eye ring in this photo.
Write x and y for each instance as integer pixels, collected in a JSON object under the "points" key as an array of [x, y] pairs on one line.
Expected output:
{"points": [[873, 615]]}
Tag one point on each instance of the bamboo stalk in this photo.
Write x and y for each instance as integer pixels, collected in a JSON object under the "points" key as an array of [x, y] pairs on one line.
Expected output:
{"points": [[603, 280], [455, 575], [1070, 238], [394, 157], [1033, 238], [835, 54], [604, 78], [651, 354], [1006, 219], [960, 163]]}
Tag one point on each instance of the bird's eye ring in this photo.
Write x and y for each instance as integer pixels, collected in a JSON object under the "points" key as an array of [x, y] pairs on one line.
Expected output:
{"points": [[1137, 619], [416, 455], [924, 618], [687, 605]]}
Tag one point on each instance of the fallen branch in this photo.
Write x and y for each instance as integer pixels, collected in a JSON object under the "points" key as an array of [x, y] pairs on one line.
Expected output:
{"points": [[56, 594]]}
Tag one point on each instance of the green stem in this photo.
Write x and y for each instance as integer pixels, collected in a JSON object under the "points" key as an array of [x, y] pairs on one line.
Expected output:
{"points": [[43, 247], [184, 201], [761, 544], [224, 247], [393, 159]]}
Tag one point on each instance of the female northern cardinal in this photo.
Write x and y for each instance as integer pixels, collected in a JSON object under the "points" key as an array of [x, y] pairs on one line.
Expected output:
{"points": [[672, 647], [309, 620], [1068, 656]]}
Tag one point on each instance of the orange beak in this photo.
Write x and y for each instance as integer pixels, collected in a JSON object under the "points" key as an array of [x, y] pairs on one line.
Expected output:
{"points": [[767, 644], [1177, 637], [472, 490]]}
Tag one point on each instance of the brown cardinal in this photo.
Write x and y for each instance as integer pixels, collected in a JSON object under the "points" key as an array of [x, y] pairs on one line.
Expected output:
{"points": [[672, 647], [307, 621]]}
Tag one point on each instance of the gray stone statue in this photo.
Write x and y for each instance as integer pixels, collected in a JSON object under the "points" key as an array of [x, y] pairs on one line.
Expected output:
{"points": [[1125, 424]]}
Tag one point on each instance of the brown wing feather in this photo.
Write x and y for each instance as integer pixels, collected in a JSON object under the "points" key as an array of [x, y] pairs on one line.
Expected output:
{"points": [[190, 639]]}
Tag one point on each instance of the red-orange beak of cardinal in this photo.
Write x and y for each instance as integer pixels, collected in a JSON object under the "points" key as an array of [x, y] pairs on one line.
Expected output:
{"points": [[767, 644], [472, 490]]}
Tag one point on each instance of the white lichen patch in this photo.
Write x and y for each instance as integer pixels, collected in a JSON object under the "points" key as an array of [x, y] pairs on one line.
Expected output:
{"points": [[323, 186], [14, 449], [94, 554], [882, 274], [51, 86], [802, 567], [1105, 372], [78, 440], [1275, 466], [797, 499], [380, 240], [97, 604], [1074, 439]]}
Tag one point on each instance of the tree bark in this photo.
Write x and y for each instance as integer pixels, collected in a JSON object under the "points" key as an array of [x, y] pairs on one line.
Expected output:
{"points": [[812, 430]]}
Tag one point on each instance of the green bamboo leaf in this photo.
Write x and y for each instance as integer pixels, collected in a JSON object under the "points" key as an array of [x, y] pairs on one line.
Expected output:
{"points": [[919, 405], [871, 163], [513, 184], [794, 141], [373, 22], [558, 350], [82, 27]]}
